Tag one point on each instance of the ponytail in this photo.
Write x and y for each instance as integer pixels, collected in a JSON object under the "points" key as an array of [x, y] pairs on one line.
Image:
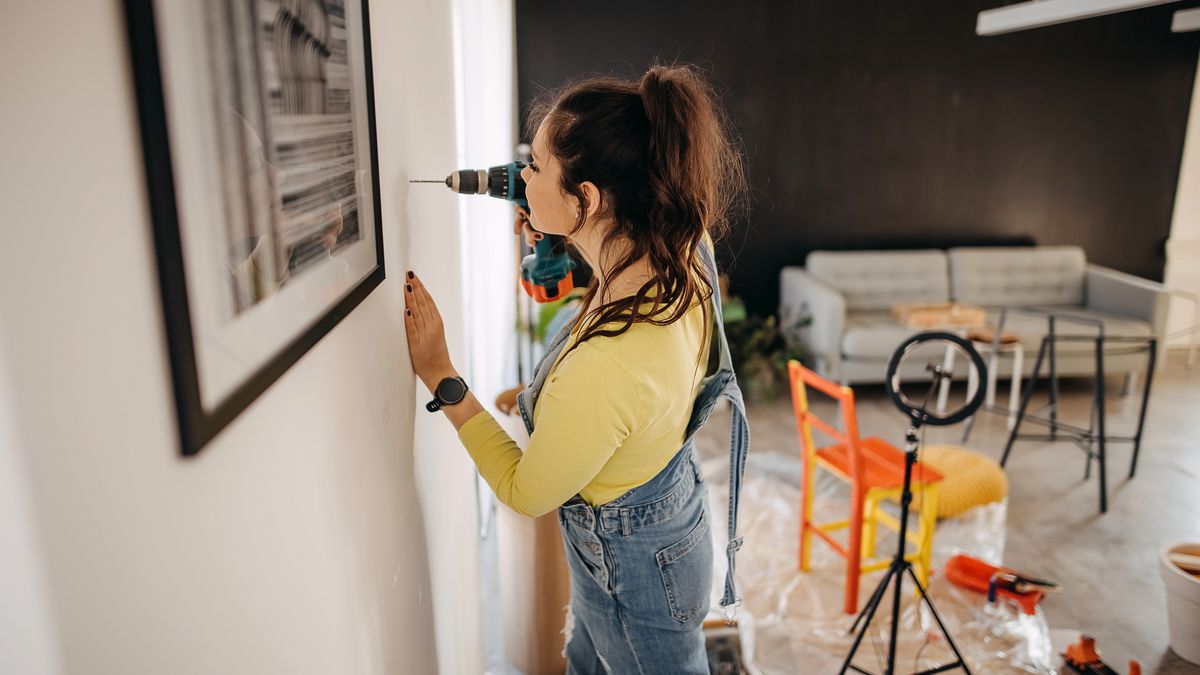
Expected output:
{"points": [[668, 170], [695, 171]]}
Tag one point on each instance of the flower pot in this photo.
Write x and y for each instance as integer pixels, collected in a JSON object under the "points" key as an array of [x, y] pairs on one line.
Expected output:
{"points": [[1183, 603]]}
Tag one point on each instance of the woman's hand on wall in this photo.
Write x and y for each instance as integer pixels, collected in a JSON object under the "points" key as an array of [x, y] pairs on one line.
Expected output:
{"points": [[426, 335]]}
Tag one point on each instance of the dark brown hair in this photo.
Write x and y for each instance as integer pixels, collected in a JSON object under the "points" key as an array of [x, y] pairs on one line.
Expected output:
{"points": [[668, 169]]}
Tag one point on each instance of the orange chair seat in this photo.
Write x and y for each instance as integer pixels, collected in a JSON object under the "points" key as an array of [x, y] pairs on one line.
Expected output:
{"points": [[883, 464]]}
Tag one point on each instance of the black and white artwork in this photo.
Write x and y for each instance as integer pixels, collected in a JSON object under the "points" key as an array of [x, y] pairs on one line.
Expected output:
{"points": [[259, 140]]}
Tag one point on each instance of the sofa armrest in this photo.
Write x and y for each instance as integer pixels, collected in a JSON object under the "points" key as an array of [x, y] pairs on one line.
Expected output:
{"points": [[1108, 290], [801, 294]]}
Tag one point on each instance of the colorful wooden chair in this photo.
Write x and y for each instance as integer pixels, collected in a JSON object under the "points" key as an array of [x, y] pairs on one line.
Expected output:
{"points": [[874, 469]]}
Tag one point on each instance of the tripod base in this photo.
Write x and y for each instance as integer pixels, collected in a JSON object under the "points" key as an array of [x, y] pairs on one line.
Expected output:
{"points": [[897, 570]]}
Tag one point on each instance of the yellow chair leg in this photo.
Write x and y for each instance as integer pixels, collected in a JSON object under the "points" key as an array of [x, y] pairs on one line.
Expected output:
{"points": [[870, 509], [809, 457], [806, 550], [806, 515], [929, 499]]}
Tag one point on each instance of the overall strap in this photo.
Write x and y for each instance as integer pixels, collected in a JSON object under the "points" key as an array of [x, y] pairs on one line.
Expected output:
{"points": [[721, 383], [527, 398], [724, 383]]}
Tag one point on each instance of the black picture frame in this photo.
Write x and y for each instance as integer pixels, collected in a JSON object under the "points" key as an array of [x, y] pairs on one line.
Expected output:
{"points": [[196, 424]]}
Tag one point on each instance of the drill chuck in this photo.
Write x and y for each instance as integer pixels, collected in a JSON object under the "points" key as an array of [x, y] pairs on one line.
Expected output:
{"points": [[502, 182], [468, 181]]}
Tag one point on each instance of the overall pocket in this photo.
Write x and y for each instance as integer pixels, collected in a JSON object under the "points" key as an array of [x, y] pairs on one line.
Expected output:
{"points": [[585, 553], [686, 569]]}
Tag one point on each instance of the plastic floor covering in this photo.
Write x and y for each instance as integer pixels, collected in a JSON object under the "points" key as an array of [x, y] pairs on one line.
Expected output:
{"points": [[792, 621]]}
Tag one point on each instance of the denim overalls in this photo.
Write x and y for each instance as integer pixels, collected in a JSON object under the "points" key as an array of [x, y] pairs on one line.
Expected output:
{"points": [[641, 565]]}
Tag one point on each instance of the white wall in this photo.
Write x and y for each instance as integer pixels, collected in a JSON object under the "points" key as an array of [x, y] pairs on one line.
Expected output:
{"points": [[487, 125], [27, 637], [485, 83], [1183, 246], [415, 104], [331, 527]]}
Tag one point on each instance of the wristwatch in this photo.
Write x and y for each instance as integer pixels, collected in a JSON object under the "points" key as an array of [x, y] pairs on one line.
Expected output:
{"points": [[449, 391]]}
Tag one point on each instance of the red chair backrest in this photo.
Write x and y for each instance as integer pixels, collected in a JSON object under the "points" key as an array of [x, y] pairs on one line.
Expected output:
{"points": [[801, 379]]}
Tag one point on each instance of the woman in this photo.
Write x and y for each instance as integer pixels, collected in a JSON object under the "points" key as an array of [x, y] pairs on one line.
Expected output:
{"points": [[635, 175]]}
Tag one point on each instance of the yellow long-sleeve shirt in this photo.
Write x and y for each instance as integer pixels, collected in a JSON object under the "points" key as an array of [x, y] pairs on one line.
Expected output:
{"points": [[610, 415]]}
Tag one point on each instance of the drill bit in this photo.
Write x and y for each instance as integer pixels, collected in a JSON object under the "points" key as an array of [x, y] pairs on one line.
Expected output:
{"points": [[465, 182]]}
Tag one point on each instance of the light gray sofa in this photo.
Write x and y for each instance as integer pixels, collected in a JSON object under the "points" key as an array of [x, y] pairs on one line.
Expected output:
{"points": [[849, 296]]}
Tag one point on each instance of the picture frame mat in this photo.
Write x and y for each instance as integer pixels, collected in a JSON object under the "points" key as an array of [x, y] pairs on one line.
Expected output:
{"points": [[226, 351]]}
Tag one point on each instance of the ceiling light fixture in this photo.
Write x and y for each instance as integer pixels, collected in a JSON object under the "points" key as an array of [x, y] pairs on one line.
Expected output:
{"points": [[1038, 13]]}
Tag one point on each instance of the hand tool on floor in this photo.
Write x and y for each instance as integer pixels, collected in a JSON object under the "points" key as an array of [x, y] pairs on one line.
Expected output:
{"points": [[998, 582], [723, 642], [1082, 657], [546, 273], [1015, 582]]}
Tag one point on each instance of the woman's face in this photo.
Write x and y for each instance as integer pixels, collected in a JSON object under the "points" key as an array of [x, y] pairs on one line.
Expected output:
{"points": [[551, 210]]}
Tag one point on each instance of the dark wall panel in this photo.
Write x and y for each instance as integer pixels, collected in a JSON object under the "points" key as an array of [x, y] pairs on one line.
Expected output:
{"points": [[891, 124]]}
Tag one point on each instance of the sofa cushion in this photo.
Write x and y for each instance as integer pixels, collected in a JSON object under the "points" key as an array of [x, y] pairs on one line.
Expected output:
{"points": [[879, 279], [1043, 275], [875, 334]]}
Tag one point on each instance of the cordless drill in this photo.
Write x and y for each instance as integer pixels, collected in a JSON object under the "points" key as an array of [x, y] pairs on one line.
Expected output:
{"points": [[546, 273]]}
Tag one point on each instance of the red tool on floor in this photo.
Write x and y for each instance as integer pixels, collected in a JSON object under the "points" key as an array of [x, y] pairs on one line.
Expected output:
{"points": [[977, 575], [1082, 657]]}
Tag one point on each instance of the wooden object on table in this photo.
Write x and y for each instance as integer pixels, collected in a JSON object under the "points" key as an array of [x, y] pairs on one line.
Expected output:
{"points": [[939, 315], [987, 334]]}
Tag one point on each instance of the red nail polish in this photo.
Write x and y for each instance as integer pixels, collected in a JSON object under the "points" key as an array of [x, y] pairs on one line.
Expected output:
{"points": [[409, 287], [410, 275], [408, 312]]}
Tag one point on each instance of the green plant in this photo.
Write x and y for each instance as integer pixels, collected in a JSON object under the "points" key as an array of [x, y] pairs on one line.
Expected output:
{"points": [[545, 314], [760, 350]]}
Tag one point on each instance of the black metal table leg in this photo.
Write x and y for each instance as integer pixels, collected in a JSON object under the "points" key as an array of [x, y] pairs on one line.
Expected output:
{"points": [[1100, 424], [1025, 396], [1137, 437], [1094, 439], [1053, 381]]}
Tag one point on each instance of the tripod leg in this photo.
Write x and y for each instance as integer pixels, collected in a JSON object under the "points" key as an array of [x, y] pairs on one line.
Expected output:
{"points": [[876, 595], [1137, 438], [1033, 377], [894, 629], [938, 619], [867, 614]]}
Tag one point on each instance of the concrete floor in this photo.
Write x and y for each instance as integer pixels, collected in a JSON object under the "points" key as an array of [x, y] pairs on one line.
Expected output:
{"points": [[1108, 564]]}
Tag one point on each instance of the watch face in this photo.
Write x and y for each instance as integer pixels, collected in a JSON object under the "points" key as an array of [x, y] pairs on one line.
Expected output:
{"points": [[451, 390]]}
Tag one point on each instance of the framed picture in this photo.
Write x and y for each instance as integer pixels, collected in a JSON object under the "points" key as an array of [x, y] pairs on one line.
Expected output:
{"points": [[258, 133]]}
